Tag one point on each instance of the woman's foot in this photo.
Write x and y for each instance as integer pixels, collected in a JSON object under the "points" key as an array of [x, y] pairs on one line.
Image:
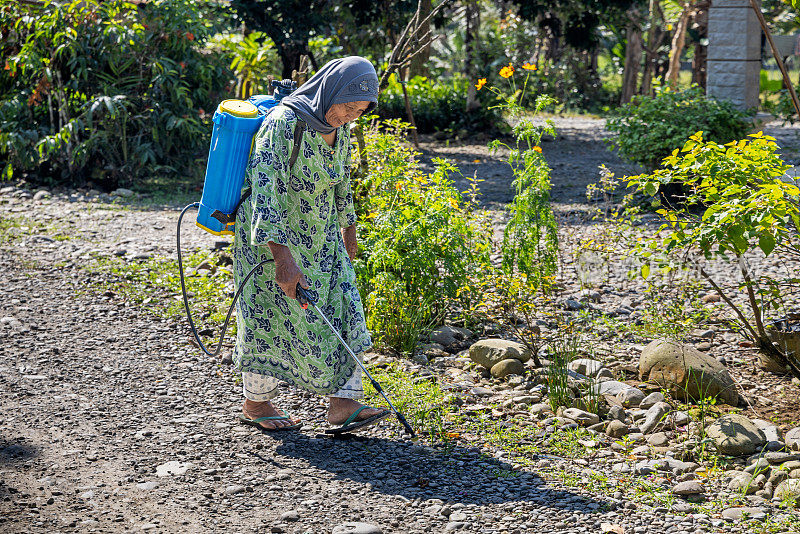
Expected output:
{"points": [[340, 409], [254, 410]]}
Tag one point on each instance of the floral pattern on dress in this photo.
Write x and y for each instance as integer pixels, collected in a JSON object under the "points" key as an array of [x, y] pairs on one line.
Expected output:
{"points": [[302, 208]]}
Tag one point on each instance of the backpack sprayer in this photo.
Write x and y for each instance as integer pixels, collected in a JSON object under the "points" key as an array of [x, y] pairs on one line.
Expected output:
{"points": [[235, 125]]}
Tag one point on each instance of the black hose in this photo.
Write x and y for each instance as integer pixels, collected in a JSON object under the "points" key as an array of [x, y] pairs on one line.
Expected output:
{"points": [[186, 299]]}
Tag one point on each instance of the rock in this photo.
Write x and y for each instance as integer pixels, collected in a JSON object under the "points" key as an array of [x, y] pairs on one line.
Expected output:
{"points": [[736, 514], [771, 431], [649, 467], [680, 418], [582, 417], [653, 417], [690, 487], [792, 439], [686, 372], [616, 429], [618, 413], [630, 397], [41, 195], [651, 400], [743, 483], [449, 335], [507, 367], [357, 528], [659, 439], [489, 352], [778, 458], [735, 435], [481, 392], [122, 192], [610, 387], [147, 486], [235, 489], [586, 366], [788, 491], [172, 468], [710, 298], [291, 515]]}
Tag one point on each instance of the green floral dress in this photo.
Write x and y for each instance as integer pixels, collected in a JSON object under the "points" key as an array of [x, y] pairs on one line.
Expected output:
{"points": [[302, 208]]}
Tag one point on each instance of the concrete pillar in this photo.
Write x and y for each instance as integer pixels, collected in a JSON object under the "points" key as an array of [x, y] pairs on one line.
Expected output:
{"points": [[734, 52]]}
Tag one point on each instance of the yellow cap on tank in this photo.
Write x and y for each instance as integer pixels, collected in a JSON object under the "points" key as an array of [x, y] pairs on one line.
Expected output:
{"points": [[239, 108]]}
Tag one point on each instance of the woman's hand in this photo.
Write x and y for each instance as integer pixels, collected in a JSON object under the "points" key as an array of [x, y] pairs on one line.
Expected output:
{"points": [[287, 273], [350, 243]]}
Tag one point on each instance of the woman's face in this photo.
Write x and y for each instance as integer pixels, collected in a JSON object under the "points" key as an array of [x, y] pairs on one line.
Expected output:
{"points": [[339, 114]]}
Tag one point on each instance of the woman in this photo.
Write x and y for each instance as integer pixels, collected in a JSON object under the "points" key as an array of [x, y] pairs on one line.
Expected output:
{"points": [[304, 218]]}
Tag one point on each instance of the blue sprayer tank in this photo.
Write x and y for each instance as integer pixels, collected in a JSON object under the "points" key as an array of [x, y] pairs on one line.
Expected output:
{"points": [[235, 125]]}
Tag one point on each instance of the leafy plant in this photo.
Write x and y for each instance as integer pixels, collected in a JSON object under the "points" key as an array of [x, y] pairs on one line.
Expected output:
{"points": [[104, 90], [252, 59], [437, 106], [419, 241], [530, 239], [648, 129], [749, 208], [564, 350]]}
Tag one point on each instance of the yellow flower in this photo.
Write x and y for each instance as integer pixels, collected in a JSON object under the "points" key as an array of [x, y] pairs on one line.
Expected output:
{"points": [[480, 84], [537, 149], [398, 186], [506, 72], [529, 66], [669, 27], [453, 203]]}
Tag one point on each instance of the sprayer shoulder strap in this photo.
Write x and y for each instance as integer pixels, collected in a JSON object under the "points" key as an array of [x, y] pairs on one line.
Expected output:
{"points": [[299, 128]]}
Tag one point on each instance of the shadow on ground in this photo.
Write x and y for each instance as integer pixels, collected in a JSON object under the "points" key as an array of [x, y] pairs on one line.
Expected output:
{"points": [[12, 452], [405, 469]]}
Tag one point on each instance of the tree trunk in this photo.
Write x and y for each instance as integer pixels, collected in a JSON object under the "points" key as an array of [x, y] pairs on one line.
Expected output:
{"points": [[291, 53], [676, 48], [700, 26], [654, 38], [633, 57], [419, 65], [472, 16]]}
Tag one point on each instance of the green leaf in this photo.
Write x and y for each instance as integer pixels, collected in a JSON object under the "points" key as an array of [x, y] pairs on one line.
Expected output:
{"points": [[645, 270], [767, 243]]}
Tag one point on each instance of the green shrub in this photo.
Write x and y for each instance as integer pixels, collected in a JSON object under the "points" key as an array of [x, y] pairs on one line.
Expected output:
{"points": [[439, 106], [106, 90], [648, 129], [750, 209], [419, 241]]}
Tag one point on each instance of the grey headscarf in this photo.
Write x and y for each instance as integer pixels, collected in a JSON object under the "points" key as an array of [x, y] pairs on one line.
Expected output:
{"points": [[349, 79]]}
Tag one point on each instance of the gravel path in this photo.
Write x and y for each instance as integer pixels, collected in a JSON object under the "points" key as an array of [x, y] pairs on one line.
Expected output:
{"points": [[111, 421]]}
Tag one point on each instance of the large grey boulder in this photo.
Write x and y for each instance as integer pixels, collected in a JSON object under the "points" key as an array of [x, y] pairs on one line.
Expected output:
{"points": [[586, 366], [686, 372], [489, 352], [735, 435]]}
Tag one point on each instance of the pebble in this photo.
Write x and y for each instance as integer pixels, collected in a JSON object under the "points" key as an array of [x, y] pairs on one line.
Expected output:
{"points": [[357, 528]]}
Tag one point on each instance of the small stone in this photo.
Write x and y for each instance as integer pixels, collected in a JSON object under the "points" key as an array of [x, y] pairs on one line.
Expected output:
{"points": [[659, 439], [235, 489], [651, 400], [41, 195], [147, 486], [585, 366], [507, 367], [122, 192], [357, 528], [618, 413], [488, 352], [631, 397], [689, 487], [291, 515], [788, 491], [172, 468], [86, 495], [653, 417], [580, 416], [792, 439], [616, 429], [735, 435], [736, 514]]}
